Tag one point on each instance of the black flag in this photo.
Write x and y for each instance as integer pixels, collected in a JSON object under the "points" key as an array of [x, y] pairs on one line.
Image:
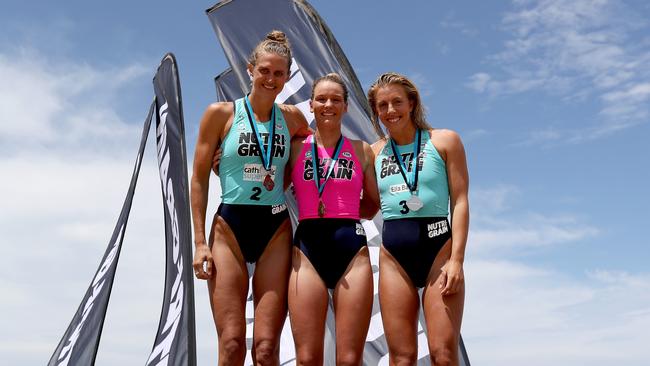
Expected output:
{"points": [[175, 342], [227, 86], [314, 49], [315, 53], [80, 341]]}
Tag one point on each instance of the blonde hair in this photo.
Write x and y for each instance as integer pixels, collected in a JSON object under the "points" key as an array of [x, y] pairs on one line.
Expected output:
{"points": [[393, 78], [335, 78], [275, 42]]}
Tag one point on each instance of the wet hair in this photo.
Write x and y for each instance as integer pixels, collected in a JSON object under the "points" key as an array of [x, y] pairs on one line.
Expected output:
{"points": [[335, 78], [275, 42], [393, 78]]}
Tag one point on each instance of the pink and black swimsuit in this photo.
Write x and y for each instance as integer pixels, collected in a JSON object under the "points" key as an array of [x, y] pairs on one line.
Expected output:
{"points": [[329, 232]]}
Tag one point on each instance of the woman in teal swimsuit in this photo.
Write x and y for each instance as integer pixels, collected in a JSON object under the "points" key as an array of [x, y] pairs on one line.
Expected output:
{"points": [[252, 224], [422, 176]]}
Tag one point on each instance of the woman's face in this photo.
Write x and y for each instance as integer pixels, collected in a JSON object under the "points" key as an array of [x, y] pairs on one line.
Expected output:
{"points": [[328, 103], [269, 73], [393, 107]]}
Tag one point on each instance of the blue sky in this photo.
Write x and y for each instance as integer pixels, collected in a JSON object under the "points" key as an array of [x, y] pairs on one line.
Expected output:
{"points": [[552, 100]]}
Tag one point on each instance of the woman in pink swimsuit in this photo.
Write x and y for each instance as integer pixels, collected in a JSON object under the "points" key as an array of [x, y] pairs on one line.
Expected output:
{"points": [[330, 250]]}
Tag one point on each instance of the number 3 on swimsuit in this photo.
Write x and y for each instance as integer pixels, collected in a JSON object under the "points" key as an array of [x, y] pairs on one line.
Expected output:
{"points": [[256, 194], [405, 208]]}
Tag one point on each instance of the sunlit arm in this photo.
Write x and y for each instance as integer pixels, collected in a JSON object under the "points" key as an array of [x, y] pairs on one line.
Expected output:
{"points": [[370, 200], [210, 130], [458, 179]]}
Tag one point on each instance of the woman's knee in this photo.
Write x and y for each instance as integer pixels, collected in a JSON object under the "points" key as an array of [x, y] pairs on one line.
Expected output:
{"points": [[348, 358], [443, 355], [309, 357], [233, 347], [266, 351], [403, 357]]}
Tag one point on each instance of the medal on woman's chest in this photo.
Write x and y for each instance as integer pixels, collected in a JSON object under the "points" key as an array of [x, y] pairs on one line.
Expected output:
{"points": [[321, 186], [414, 203], [268, 182], [266, 152]]}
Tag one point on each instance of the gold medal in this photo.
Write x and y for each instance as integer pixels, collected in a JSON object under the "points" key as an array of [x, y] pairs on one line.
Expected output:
{"points": [[321, 208], [268, 182]]}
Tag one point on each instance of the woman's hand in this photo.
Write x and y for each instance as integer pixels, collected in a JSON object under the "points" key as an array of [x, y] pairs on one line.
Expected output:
{"points": [[451, 278], [202, 262]]}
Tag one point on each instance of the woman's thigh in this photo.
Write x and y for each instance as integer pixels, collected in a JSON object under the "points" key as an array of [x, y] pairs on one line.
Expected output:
{"points": [[308, 300], [353, 298], [400, 302]]}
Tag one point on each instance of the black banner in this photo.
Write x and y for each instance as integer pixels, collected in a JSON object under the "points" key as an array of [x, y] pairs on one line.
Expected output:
{"points": [[175, 342], [316, 53], [314, 49], [79, 343], [228, 88]]}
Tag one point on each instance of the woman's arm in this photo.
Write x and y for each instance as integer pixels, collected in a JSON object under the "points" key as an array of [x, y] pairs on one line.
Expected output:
{"points": [[370, 200], [296, 149], [210, 131], [458, 180], [298, 126]]}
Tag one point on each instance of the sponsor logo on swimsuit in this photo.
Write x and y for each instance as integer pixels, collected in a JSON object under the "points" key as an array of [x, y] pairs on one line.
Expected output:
{"points": [[390, 166], [398, 188], [308, 154], [360, 230], [276, 209], [343, 170], [437, 228], [278, 126], [257, 173], [346, 154], [248, 144]]}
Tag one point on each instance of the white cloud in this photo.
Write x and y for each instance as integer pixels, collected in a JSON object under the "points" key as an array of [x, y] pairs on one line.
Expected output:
{"points": [[479, 82], [575, 50], [501, 227], [522, 313], [450, 22], [518, 314], [64, 105]]}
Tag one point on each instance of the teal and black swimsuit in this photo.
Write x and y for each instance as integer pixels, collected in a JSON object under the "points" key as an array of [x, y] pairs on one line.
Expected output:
{"points": [[414, 238], [252, 210]]}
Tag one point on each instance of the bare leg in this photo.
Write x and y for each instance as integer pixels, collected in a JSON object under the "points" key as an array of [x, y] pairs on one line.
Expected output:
{"points": [[443, 314], [353, 297], [400, 304], [270, 296], [307, 309], [228, 288]]}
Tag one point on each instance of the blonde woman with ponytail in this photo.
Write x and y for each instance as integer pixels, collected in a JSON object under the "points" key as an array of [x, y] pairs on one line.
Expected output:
{"points": [[252, 224]]}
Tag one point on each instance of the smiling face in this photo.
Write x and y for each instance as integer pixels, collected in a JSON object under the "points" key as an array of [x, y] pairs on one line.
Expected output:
{"points": [[269, 73], [328, 103], [393, 108]]}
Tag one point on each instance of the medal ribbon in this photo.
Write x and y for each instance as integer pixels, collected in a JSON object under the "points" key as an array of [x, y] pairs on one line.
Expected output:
{"points": [[335, 157], [265, 152], [413, 182]]}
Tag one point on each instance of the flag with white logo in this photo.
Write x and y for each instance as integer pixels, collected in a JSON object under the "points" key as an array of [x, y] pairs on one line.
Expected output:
{"points": [[80, 341], [313, 47], [315, 53], [175, 342]]}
